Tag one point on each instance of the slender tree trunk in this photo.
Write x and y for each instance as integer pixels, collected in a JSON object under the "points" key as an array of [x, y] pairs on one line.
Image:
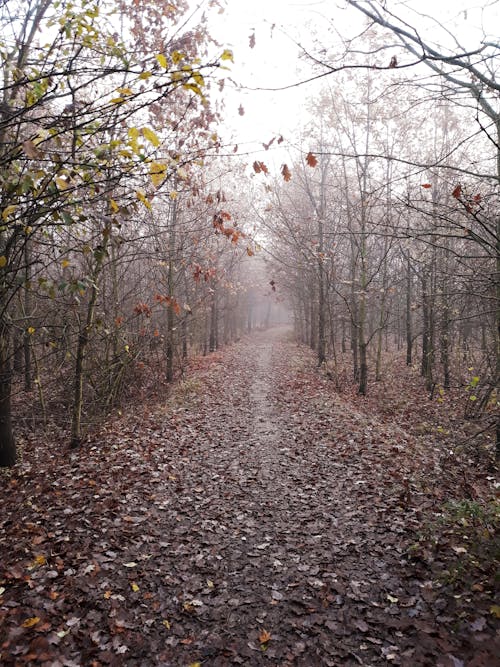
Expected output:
{"points": [[7, 442], [409, 324], [497, 294], [83, 340], [170, 342], [212, 343], [28, 374]]}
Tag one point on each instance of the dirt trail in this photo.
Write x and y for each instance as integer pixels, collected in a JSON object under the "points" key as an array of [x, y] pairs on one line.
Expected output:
{"points": [[253, 520]]}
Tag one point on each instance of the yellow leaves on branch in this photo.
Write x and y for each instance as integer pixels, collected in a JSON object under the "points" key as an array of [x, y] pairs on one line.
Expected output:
{"points": [[8, 210], [142, 198], [227, 54], [158, 173], [151, 136], [162, 60]]}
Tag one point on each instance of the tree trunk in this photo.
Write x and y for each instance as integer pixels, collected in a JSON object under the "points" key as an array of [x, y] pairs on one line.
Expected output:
{"points": [[170, 343], [409, 328], [7, 442]]}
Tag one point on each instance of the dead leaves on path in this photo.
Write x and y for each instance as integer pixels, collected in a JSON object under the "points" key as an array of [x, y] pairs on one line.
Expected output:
{"points": [[190, 534]]}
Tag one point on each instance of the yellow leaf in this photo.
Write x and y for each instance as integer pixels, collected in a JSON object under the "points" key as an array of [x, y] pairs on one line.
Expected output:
{"points": [[227, 54], [134, 587], [31, 331], [114, 206], [3, 261], [30, 622], [142, 197], [166, 623], [62, 183], [176, 56], [8, 210], [198, 79], [125, 91], [117, 100], [495, 610], [158, 173], [145, 75], [107, 595], [173, 195], [162, 60], [65, 263], [195, 664], [192, 86], [151, 136]]}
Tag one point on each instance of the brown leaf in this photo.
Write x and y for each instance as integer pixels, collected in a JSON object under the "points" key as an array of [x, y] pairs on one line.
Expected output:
{"points": [[457, 191], [311, 159], [251, 40], [286, 173], [259, 167], [426, 185], [264, 636], [31, 150], [241, 110]]}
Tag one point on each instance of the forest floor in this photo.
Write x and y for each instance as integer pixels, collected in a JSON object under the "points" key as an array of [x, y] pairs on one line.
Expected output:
{"points": [[255, 516]]}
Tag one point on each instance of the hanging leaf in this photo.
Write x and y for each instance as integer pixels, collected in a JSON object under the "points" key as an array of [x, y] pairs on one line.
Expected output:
{"points": [[177, 56], [286, 173], [259, 167], [158, 173], [251, 40], [311, 160], [62, 183], [3, 261], [426, 185], [151, 136], [457, 191], [161, 60], [227, 54], [31, 150], [142, 197], [8, 210]]}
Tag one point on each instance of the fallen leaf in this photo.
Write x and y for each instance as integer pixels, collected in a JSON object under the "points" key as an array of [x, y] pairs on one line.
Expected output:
{"points": [[264, 636]]}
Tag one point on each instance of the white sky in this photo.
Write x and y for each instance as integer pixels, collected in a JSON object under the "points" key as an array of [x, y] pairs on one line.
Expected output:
{"points": [[274, 61]]}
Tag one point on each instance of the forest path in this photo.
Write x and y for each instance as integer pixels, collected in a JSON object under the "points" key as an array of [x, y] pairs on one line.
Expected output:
{"points": [[254, 519]]}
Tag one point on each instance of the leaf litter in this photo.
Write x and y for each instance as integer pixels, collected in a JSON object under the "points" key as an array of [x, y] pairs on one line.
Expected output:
{"points": [[259, 519]]}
